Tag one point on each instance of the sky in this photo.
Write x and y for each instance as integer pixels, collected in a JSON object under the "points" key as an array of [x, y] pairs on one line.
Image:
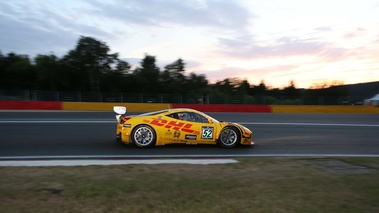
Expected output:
{"points": [[309, 42]]}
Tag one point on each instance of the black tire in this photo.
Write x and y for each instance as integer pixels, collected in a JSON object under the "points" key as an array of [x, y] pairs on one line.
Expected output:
{"points": [[143, 136], [229, 137], [118, 138]]}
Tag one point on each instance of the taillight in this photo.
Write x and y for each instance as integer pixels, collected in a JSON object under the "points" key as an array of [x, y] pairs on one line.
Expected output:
{"points": [[124, 119]]}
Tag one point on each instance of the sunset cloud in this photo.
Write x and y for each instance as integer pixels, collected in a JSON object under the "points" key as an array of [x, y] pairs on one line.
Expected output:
{"points": [[275, 41]]}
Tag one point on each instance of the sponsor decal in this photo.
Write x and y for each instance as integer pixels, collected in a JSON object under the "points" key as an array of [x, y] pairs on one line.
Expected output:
{"points": [[207, 132], [190, 137], [168, 132], [177, 134], [127, 125], [182, 126]]}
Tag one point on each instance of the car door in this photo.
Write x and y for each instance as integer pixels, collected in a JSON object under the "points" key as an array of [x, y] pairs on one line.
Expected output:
{"points": [[195, 128], [207, 130]]}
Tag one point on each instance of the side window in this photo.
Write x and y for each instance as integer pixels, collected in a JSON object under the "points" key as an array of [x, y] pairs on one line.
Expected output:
{"points": [[173, 115], [189, 116], [185, 116], [199, 118]]}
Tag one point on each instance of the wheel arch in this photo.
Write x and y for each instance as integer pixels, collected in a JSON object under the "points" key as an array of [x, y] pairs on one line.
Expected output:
{"points": [[143, 124], [239, 131], [233, 126]]}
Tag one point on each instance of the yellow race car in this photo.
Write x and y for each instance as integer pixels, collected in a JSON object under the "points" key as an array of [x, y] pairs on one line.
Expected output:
{"points": [[178, 126]]}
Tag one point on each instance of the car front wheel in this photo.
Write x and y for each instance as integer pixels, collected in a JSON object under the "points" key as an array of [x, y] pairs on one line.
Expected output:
{"points": [[229, 137], [143, 136]]}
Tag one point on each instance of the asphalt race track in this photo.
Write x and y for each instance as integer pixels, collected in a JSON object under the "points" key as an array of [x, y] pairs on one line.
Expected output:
{"points": [[68, 134]]}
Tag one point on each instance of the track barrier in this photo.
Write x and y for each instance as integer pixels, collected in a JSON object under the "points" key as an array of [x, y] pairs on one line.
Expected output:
{"points": [[146, 107], [31, 105], [226, 107], [323, 109], [131, 107]]}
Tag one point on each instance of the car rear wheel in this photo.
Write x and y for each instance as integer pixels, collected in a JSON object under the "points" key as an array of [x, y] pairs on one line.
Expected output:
{"points": [[229, 137], [143, 136]]}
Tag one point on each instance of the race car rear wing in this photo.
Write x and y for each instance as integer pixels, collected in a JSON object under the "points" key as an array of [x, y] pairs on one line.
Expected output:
{"points": [[119, 110]]}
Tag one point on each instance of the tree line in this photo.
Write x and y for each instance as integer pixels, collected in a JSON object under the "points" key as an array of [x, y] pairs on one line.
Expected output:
{"points": [[91, 67]]}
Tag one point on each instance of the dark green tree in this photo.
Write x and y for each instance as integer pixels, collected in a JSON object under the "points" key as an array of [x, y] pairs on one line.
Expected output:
{"points": [[225, 86], [116, 80], [260, 89], [86, 64], [47, 72], [17, 72], [334, 88], [176, 69], [291, 91], [147, 76], [243, 87], [172, 78], [196, 84], [2, 70]]}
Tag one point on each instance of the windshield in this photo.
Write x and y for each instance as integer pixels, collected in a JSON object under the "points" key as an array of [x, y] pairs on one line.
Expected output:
{"points": [[209, 118]]}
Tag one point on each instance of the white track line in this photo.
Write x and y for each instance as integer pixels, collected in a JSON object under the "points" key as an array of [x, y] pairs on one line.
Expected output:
{"points": [[55, 121], [311, 124], [143, 159]]}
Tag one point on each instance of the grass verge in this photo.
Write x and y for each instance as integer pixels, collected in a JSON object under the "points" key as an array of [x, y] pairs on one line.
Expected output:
{"points": [[252, 185]]}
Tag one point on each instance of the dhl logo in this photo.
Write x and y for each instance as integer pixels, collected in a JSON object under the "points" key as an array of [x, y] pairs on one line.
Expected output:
{"points": [[173, 125]]}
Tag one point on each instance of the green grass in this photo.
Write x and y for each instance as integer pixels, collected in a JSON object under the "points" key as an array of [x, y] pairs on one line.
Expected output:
{"points": [[252, 185]]}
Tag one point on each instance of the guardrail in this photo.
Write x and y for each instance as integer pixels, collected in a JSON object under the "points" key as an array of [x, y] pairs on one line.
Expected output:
{"points": [[67, 96], [145, 107]]}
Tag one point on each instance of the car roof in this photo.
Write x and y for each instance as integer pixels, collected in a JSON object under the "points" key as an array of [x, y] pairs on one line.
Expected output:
{"points": [[175, 110], [181, 109], [172, 110]]}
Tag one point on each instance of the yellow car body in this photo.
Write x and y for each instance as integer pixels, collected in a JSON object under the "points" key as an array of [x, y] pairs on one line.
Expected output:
{"points": [[178, 126]]}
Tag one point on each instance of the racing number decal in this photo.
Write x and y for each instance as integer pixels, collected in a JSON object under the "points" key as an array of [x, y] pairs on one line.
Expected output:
{"points": [[207, 132]]}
